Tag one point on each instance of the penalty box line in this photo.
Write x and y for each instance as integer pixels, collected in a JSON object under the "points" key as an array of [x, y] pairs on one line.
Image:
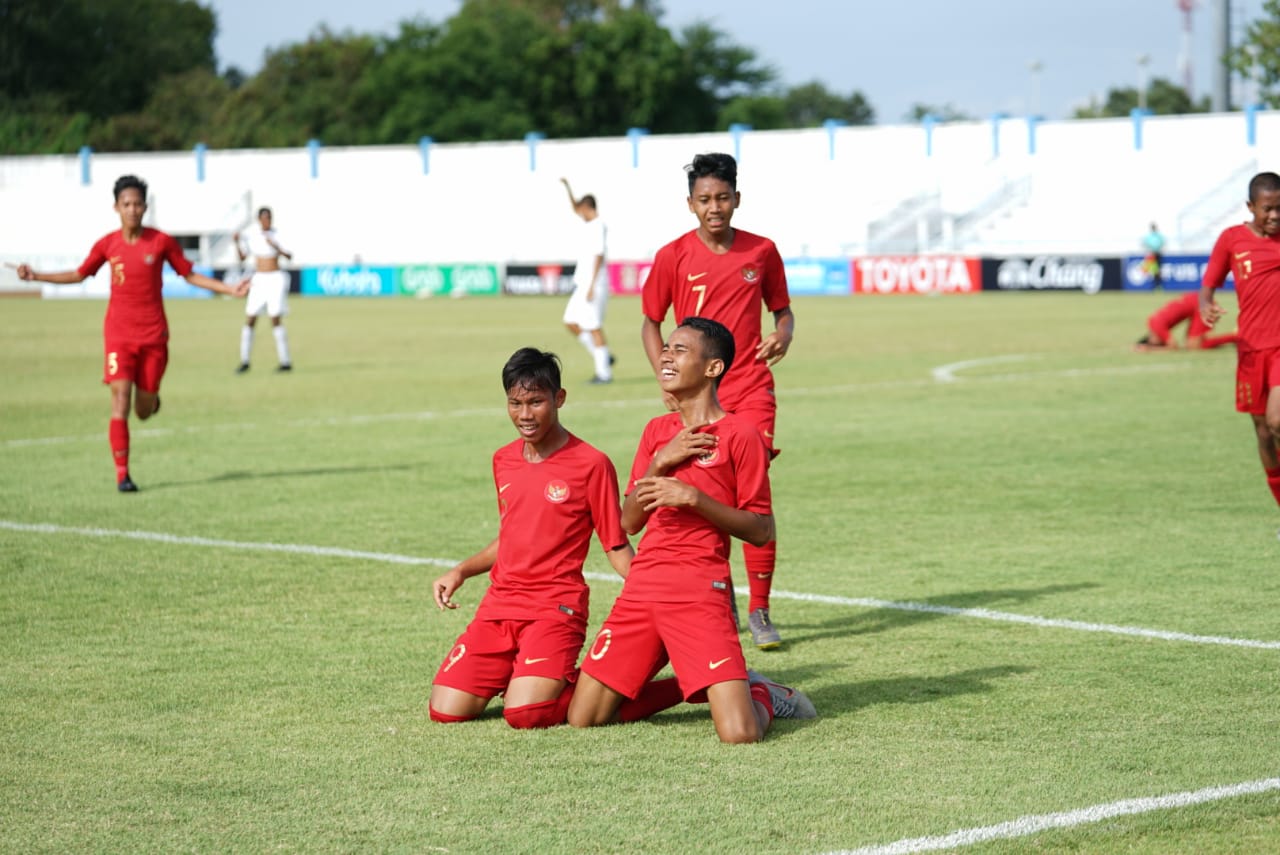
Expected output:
{"points": [[858, 602], [1034, 824]]}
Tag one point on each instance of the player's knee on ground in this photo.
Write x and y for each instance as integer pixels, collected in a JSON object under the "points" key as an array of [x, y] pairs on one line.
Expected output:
{"points": [[445, 718], [531, 716]]}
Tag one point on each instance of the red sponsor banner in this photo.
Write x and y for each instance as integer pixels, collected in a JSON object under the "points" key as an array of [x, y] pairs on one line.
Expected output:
{"points": [[627, 277], [917, 274]]}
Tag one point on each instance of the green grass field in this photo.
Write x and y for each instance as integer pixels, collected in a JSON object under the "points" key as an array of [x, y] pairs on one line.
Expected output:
{"points": [[234, 660]]}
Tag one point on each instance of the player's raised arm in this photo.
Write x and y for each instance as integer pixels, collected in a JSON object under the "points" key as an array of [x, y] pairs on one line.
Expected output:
{"points": [[61, 277]]}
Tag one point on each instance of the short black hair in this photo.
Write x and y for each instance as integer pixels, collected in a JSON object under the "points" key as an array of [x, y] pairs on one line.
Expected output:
{"points": [[264, 210], [588, 200], [717, 341], [1263, 182], [124, 182], [716, 165], [530, 368]]}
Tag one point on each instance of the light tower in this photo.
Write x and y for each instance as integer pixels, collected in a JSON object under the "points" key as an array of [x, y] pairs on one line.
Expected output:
{"points": [[1184, 56]]}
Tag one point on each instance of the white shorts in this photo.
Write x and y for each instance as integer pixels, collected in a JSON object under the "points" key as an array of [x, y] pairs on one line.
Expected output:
{"points": [[267, 292], [587, 315]]}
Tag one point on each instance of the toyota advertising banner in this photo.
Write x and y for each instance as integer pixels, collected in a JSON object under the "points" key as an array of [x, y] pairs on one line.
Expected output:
{"points": [[1177, 273], [1052, 273], [627, 277], [917, 274]]}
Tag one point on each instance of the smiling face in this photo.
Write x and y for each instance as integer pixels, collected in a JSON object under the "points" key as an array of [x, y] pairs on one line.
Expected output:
{"points": [[1265, 207], [684, 365], [713, 201], [535, 412]]}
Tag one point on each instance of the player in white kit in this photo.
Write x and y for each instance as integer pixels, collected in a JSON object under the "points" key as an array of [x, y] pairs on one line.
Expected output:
{"points": [[268, 288], [584, 316]]}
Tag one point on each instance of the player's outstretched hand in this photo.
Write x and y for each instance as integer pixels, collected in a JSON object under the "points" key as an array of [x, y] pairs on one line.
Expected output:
{"points": [[773, 348], [656, 492], [1211, 314], [25, 273], [689, 442], [442, 589], [242, 287]]}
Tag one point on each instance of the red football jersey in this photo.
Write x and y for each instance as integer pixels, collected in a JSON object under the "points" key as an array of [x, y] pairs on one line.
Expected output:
{"points": [[682, 555], [135, 311], [1255, 263], [1174, 312], [728, 288], [547, 512]]}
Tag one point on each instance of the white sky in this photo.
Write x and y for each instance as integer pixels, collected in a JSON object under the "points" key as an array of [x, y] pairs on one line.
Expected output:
{"points": [[975, 55]]}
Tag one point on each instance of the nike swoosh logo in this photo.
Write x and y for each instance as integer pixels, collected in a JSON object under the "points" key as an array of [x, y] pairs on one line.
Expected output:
{"points": [[694, 277], [1242, 254], [715, 665], [503, 488], [536, 661]]}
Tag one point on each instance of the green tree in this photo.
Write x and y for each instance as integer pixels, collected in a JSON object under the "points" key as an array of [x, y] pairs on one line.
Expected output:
{"points": [[1257, 56], [1163, 98], [182, 111], [943, 113]]}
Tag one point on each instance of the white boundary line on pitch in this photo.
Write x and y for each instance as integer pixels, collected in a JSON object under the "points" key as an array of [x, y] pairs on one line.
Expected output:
{"points": [[860, 602], [1027, 825], [947, 372]]}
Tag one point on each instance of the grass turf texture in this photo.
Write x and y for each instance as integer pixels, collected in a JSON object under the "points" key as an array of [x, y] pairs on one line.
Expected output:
{"points": [[182, 697]]}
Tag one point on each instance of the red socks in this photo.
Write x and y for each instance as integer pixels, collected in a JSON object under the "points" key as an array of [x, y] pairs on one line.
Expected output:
{"points": [[656, 696], [118, 434], [1210, 342], [546, 714], [760, 694], [1273, 481], [760, 561]]}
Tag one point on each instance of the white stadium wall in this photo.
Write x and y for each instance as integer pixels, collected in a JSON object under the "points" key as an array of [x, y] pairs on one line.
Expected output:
{"points": [[970, 187]]}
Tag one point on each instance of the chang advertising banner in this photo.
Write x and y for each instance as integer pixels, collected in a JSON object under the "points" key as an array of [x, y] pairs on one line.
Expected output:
{"points": [[531, 279], [447, 280], [348, 281], [1177, 273], [916, 274], [1051, 273], [627, 277], [818, 276]]}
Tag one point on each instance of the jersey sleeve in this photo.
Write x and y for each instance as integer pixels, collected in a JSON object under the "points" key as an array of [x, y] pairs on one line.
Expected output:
{"points": [[176, 257], [655, 299], [751, 463], [1219, 266], [644, 455], [96, 258], [775, 293]]}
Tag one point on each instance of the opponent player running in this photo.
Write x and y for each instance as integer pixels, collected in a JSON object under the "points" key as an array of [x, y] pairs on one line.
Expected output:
{"points": [[700, 475], [135, 331], [268, 290], [1161, 323], [1251, 251], [553, 491], [723, 273]]}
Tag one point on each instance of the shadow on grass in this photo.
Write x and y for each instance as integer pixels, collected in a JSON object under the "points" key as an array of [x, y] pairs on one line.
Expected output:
{"points": [[884, 619], [244, 475]]}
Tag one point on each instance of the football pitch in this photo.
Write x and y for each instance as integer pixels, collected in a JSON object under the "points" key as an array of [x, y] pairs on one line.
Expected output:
{"points": [[1027, 576]]}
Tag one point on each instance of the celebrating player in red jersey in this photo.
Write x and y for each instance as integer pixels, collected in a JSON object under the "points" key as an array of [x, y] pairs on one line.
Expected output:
{"points": [[1251, 252], [1174, 312], [135, 332], [726, 274], [700, 475], [553, 491]]}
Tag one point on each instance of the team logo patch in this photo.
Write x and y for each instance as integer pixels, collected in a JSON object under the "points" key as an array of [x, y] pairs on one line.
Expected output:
{"points": [[556, 492], [750, 273], [708, 458], [150, 259]]}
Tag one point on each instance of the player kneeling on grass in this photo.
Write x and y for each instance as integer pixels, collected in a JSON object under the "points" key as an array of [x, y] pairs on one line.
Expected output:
{"points": [[700, 476], [553, 491]]}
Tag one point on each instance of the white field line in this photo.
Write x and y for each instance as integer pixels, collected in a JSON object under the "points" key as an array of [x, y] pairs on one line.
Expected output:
{"points": [[859, 602], [948, 376], [1035, 824]]}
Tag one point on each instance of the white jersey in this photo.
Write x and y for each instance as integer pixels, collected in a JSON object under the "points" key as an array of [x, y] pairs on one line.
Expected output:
{"points": [[591, 245], [259, 242]]}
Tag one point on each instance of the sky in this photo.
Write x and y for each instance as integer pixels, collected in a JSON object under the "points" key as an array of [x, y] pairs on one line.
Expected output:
{"points": [[976, 56]]}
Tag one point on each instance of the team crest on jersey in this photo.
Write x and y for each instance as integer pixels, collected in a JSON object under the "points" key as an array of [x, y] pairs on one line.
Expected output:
{"points": [[708, 458], [556, 492], [150, 259], [750, 273]]}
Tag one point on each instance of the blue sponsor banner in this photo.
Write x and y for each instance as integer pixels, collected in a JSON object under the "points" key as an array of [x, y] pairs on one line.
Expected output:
{"points": [[349, 281], [819, 276], [1177, 272], [176, 288]]}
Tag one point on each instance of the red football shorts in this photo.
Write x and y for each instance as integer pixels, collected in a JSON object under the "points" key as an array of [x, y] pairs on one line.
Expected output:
{"points": [[490, 653], [144, 364], [1256, 372], [638, 638]]}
